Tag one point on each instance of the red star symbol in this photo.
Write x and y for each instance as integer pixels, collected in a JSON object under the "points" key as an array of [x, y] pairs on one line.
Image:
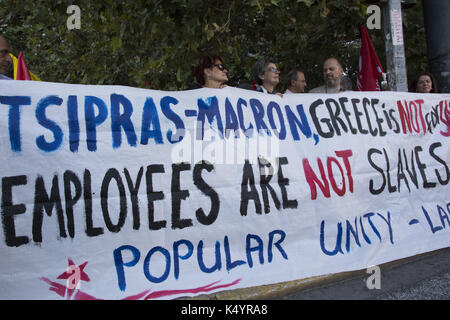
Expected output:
{"points": [[71, 270]]}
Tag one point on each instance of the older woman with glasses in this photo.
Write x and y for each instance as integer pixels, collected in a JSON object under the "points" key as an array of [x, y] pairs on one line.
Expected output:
{"points": [[210, 72], [267, 76]]}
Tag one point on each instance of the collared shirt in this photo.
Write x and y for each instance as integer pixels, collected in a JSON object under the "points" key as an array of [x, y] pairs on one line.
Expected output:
{"points": [[3, 77], [261, 88], [288, 92]]}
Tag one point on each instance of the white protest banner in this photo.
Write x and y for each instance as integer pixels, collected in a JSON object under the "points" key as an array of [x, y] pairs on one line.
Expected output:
{"points": [[112, 192]]}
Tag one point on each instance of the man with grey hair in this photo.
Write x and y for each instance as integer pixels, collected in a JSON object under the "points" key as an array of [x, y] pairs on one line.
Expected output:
{"points": [[295, 81], [5, 59], [332, 73], [267, 76]]}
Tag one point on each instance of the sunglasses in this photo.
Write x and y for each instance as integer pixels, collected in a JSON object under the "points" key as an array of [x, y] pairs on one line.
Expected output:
{"points": [[220, 66]]}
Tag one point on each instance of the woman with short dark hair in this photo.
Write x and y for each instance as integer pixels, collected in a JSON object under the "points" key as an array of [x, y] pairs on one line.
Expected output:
{"points": [[210, 72], [267, 75]]}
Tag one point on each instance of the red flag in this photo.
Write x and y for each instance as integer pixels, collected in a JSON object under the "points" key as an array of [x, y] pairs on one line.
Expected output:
{"points": [[22, 69], [370, 68]]}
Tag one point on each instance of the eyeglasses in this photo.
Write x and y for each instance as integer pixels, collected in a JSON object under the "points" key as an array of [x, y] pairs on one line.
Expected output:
{"points": [[274, 69], [220, 66]]}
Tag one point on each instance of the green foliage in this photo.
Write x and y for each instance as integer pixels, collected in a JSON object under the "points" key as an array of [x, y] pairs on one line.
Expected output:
{"points": [[138, 42]]}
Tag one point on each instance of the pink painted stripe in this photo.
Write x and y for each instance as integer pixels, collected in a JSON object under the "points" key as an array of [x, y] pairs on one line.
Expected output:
{"points": [[207, 288]]}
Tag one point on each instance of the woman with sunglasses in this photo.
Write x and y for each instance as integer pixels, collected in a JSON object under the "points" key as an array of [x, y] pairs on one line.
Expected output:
{"points": [[210, 72]]}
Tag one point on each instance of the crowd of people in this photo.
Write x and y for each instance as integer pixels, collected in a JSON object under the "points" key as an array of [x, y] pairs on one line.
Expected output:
{"points": [[211, 72]]}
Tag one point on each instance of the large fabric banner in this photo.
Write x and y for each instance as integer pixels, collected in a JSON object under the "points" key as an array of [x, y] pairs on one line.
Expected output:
{"points": [[112, 192]]}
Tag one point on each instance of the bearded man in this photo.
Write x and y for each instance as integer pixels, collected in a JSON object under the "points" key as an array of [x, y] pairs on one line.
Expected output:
{"points": [[332, 73]]}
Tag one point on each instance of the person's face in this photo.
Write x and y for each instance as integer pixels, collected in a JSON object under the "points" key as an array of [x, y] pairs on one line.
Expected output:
{"points": [[5, 59], [217, 72], [424, 84], [271, 74], [299, 85], [332, 73]]}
